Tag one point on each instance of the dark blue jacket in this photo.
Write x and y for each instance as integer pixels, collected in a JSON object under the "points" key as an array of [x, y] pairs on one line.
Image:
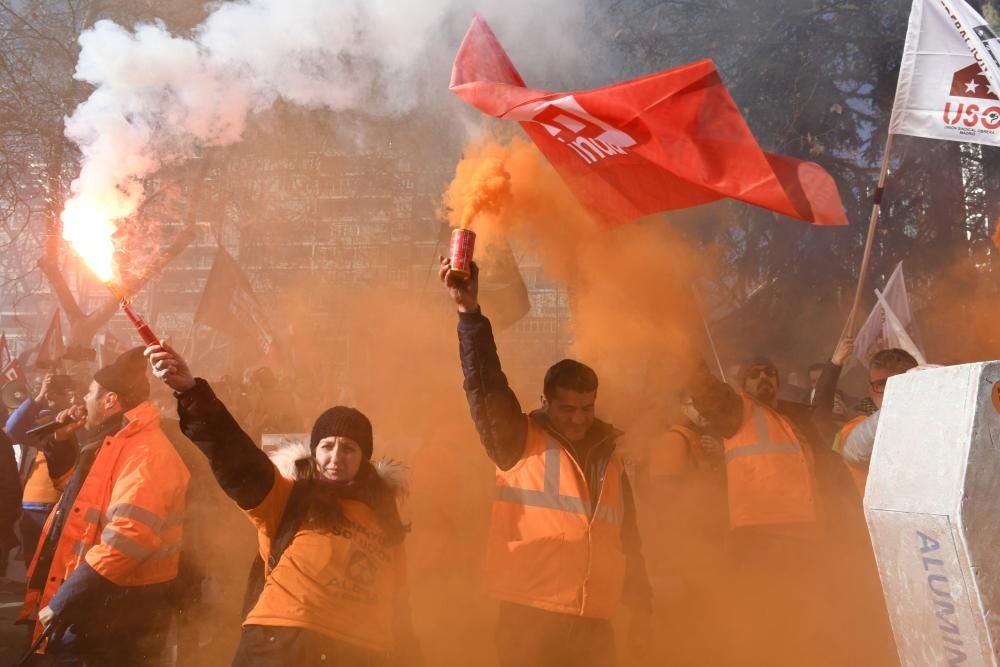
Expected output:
{"points": [[503, 430]]}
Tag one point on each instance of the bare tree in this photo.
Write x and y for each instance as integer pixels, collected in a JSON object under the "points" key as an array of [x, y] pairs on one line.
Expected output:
{"points": [[38, 54]]}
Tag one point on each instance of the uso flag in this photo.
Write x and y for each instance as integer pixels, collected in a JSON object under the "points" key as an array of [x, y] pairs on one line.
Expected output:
{"points": [[661, 142], [949, 75], [890, 324]]}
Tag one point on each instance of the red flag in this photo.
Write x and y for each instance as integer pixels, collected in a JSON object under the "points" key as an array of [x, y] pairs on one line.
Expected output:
{"points": [[12, 372], [661, 142], [229, 305], [108, 349], [52, 349]]}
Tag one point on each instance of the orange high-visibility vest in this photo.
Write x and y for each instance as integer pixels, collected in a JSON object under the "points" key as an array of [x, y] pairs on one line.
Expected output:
{"points": [[126, 519], [672, 453], [768, 477], [858, 475], [38, 487], [550, 546]]}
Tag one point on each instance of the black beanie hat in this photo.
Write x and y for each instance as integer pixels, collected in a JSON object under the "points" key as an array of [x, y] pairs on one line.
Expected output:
{"points": [[126, 376], [343, 422]]}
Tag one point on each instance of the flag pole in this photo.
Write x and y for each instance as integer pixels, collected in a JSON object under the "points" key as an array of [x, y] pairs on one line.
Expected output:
{"points": [[872, 225], [189, 342], [708, 331], [715, 353]]}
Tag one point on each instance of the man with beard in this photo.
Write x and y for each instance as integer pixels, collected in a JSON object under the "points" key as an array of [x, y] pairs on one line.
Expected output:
{"points": [[776, 475], [102, 578], [768, 462]]}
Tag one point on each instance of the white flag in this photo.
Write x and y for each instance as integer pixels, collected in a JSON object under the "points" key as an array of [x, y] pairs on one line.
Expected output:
{"points": [[949, 78], [896, 333], [891, 323]]}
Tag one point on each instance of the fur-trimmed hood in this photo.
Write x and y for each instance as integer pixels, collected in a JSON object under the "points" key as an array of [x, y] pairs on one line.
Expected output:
{"points": [[293, 455], [285, 456]]}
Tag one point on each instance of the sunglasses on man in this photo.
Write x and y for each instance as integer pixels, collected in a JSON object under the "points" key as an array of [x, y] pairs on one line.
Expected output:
{"points": [[755, 373]]}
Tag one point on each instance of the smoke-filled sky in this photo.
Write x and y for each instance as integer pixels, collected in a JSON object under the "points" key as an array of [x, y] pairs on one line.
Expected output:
{"points": [[160, 97]]}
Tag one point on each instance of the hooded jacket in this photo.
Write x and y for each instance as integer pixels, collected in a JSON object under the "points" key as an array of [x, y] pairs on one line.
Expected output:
{"points": [[342, 575], [117, 529]]}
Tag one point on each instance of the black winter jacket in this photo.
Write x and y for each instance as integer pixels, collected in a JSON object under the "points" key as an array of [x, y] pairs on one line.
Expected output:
{"points": [[503, 430], [10, 495], [246, 475]]}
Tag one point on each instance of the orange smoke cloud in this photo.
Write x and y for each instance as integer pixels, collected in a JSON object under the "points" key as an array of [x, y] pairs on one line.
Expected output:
{"points": [[633, 317], [489, 192], [391, 352], [634, 320]]}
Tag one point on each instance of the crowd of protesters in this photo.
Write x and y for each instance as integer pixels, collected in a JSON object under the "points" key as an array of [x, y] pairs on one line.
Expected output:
{"points": [[753, 481]]}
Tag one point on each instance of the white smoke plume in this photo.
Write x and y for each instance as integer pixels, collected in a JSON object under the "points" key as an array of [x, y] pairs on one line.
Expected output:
{"points": [[160, 97]]}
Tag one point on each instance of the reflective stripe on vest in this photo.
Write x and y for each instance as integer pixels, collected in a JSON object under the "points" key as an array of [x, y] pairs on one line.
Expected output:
{"points": [[133, 549], [127, 546], [142, 515], [859, 476], [768, 476], [80, 549], [550, 545], [549, 497], [764, 445], [133, 511], [838, 442]]}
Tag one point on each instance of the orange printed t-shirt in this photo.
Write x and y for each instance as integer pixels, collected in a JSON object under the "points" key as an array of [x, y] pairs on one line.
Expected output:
{"points": [[39, 487], [343, 584]]}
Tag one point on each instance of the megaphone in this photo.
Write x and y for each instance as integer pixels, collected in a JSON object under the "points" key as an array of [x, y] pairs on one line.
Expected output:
{"points": [[14, 394]]}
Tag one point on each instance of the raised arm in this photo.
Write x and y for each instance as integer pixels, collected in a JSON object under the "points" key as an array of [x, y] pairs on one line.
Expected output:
{"points": [[501, 424], [243, 471], [23, 419], [826, 388]]}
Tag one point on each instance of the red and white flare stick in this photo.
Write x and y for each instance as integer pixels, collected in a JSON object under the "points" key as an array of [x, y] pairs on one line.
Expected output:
{"points": [[147, 335]]}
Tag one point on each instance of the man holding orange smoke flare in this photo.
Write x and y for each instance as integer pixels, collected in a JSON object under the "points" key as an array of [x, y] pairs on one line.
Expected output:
{"points": [[564, 547]]}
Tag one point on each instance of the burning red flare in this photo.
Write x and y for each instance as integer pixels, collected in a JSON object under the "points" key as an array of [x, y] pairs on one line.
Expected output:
{"points": [[145, 332]]}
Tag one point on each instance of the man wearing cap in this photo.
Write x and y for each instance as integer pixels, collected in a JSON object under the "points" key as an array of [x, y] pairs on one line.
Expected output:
{"points": [[100, 582]]}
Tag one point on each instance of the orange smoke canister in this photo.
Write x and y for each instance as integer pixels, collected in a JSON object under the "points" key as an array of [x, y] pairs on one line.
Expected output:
{"points": [[463, 242]]}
